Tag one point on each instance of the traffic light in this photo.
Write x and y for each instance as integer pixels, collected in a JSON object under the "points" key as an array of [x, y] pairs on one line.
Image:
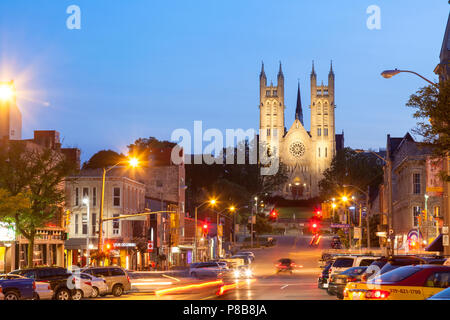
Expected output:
{"points": [[314, 225], [107, 247], [205, 229], [273, 215], [318, 214]]}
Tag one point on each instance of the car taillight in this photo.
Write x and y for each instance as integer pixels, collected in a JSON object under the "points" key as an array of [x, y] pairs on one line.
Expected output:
{"points": [[0, 289], [49, 288], [292, 264], [73, 280], [350, 279], [345, 293], [128, 278], [377, 294], [88, 283], [34, 285]]}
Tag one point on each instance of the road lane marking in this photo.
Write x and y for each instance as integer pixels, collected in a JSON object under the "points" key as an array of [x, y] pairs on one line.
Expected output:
{"points": [[173, 278], [284, 286]]}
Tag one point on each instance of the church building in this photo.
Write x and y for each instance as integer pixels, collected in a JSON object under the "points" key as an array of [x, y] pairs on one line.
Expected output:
{"points": [[306, 154]]}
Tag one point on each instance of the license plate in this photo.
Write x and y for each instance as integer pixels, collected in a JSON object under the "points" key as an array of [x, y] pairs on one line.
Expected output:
{"points": [[356, 296]]}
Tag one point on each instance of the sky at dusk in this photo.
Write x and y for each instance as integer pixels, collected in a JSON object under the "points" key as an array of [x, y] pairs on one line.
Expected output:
{"points": [[145, 68]]}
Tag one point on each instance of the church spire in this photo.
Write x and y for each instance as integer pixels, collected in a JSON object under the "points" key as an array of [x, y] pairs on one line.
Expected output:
{"points": [[299, 110], [262, 74], [313, 72], [331, 68], [280, 72]]}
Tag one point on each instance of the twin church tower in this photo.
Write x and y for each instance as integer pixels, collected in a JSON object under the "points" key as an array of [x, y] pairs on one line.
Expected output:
{"points": [[306, 154]]}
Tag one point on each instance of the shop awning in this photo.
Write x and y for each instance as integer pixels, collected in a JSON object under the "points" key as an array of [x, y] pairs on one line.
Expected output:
{"points": [[436, 245], [77, 243]]}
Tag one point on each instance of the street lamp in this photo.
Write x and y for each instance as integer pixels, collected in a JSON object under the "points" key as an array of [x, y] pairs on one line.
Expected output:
{"points": [[132, 162], [211, 202], [86, 203], [6, 91], [367, 214], [388, 163], [387, 74]]}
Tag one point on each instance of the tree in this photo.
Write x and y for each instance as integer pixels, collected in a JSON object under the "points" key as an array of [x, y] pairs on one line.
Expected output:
{"points": [[34, 177], [350, 168], [103, 159], [432, 104]]}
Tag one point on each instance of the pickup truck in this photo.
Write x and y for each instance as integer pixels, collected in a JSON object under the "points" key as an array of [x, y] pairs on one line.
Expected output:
{"points": [[18, 289]]}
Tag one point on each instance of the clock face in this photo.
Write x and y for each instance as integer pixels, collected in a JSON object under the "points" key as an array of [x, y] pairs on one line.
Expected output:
{"points": [[297, 149]]}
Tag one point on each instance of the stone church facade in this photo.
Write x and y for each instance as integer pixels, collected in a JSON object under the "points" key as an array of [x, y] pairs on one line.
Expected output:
{"points": [[306, 154]]}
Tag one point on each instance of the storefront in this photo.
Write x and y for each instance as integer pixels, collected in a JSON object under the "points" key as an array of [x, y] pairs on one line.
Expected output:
{"points": [[7, 248]]}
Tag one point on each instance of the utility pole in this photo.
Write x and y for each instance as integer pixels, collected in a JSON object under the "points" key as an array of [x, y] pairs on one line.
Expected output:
{"points": [[368, 217]]}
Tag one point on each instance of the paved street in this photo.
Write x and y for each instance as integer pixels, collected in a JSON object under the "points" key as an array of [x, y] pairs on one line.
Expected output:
{"points": [[301, 285]]}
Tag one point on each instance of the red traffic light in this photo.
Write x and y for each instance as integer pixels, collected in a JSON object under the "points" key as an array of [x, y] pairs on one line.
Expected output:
{"points": [[205, 226], [314, 225]]}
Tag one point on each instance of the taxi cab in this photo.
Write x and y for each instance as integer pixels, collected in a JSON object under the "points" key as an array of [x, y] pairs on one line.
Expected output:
{"points": [[413, 282]]}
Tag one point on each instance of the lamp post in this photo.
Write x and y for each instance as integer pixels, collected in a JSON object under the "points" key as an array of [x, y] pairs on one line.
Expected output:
{"points": [[387, 74], [86, 203], [132, 162], [367, 213], [211, 202], [426, 224]]}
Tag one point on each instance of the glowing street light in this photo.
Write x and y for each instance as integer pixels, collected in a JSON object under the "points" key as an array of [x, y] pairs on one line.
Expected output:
{"points": [[133, 162], [6, 91], [387, 74], [211, 202], [344, 198]]}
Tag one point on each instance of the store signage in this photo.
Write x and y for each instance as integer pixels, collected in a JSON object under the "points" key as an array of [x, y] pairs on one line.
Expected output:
{"points": [[150, 246], [339, 225]]}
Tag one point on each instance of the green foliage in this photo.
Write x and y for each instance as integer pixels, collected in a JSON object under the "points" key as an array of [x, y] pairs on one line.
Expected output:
{"points": [[34, 178], [103, 159], [350, 168], [432, 106]]}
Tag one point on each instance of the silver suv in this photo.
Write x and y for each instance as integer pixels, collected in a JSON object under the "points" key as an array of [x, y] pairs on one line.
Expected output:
{"points": [[116, 278], [210, 269]]}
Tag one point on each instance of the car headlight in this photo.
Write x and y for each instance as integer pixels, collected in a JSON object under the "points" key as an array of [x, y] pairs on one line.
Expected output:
{"points": [[248, 273], [236, 274]]}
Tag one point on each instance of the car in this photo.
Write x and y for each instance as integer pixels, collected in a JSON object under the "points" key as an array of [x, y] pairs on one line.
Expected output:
{"points": [[285, 264], [342, 263], [442, 295], [413, 282], [60, 279], [338, 281], [247, 259], [43, 291], [116, 278], [336, 243], [211, 269], [84, 287], [397, 261], [247, 253], [373, 269], [322, 281], [17, 288], [99, 286], [241, 272]]}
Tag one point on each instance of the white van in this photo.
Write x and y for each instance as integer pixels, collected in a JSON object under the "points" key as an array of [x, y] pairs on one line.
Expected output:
{"points": [[342, 263]]}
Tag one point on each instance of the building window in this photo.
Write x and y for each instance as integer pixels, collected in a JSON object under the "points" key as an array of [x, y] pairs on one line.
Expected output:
{"points": [[319, 131], [77, 197], [85, 225], [267, 93], [416, 213], [116, 224], [326, 152], [325, 132], [274, 93], [416, 183], [94, 223], [116, 197], [76, 223], [94, 196]]}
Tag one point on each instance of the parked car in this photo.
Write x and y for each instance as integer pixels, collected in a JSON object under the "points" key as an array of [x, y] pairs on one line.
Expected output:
{"points": [[339, 281], [413, 282], [373, 269], [57, 278], [99, 286], [342, 263], [442, 295], [18, 288], [43, 290], [209, 269], [394, 262], [116, 278], [322, 281]]}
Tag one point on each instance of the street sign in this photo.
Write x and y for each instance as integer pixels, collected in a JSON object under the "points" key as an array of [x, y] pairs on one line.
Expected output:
{"points": [[445, 241], [150, 246], [339, 225]]}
